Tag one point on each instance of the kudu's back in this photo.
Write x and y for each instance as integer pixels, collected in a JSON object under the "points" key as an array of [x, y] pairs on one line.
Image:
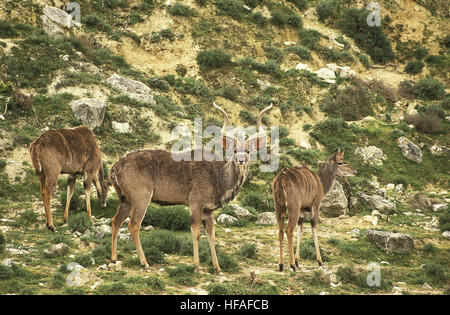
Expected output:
{"points": [[296, 186], [68, 149]]}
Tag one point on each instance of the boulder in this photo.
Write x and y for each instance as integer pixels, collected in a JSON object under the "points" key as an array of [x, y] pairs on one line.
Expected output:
{"points": [[121, 127], [267, 218], [439, 207], [439, 150], [90, 111], [241, 212], [325, 73], [132, 88], [378, 203], [60, 249], [409, 150], [392, 243], [302, 66], [371, 155], [226, 219], [335, 202]]}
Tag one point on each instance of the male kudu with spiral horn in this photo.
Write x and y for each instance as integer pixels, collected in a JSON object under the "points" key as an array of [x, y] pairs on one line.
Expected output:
{"points": [[205, 185]]}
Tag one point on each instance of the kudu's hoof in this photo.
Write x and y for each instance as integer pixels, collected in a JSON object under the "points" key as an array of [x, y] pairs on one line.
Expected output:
{"points": [[281, 266], [293, 268], [51, 228]]}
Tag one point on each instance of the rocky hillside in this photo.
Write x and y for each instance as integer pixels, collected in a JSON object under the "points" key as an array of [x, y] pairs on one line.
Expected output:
{"points": [[132, 70]]}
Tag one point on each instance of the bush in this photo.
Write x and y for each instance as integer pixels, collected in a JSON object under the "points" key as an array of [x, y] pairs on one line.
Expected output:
{"points": [[232, 8], [79, 222], [414, 67], [213, 59], [326, 9], [300, 51], [430, 89], [310, 38], [300, 4], [248, 250], [175, 218], [179, 9], [353, 22]]}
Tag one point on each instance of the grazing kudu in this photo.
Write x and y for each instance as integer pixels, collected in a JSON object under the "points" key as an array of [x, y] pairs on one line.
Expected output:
{"points": [[300, 190], [68, 151], [155, 175]]}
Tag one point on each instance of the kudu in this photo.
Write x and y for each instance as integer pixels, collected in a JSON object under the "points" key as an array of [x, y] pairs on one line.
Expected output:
{"points": [[300, 190], [73, 152], [155, 175]]}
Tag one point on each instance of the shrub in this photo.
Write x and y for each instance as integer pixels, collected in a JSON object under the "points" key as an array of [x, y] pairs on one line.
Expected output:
{"points": [[326, 9], [248, 250], [300, 51], [214, 58], [430, 89], [310, 38], [354, 24], [175, 218], [414, 67], [179, 9], [300, 4], [420, 53], [79, 222], [232, 8]]}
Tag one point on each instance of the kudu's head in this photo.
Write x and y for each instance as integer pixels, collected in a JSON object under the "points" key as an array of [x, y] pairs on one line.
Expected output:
{"points": [[336, 162], [243, 148]]}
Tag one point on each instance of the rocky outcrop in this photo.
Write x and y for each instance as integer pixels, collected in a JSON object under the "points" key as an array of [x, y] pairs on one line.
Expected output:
{"points": [[334, 203], [371, 155], [392, 243], [267, 218], [409, 150], [226, 219], [241, 212], [90, 111], [132, 88], [379, 203]]}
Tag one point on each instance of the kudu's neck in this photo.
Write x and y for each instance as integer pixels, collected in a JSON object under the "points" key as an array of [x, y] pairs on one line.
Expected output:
{"points": [[327, 177]]}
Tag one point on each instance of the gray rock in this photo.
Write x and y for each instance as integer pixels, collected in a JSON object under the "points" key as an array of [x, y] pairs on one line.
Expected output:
{"points": [[378, 203], [90, 111], [439, 150], [58, 16], [334, 203], [371, 155], [392, 243], [50, 27], [439, 207], [409, 150], [241, 212], [226, 219], [134, 89], [267, 218], [60, 249]]}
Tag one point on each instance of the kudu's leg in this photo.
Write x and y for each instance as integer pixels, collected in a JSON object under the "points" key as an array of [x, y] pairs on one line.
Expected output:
{"points": [[292, 224], [196, 221], [209, 228], [299, 236], [87, 192], [280, 219], [48, 183], [138, 209], [123, 211], [314, 223], [70, 189]]}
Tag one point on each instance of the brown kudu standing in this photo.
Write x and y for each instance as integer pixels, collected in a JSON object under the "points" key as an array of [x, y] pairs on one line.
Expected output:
{"points": [[68, 151], [154, 175], [300, 190]]}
